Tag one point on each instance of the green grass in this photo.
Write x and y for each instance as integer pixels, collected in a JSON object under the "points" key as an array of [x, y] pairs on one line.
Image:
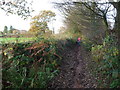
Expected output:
{"points": [[14, 40]]}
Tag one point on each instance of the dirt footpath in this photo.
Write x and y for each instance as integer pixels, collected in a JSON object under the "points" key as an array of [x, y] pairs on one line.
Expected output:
{"points": [[74, 71]]}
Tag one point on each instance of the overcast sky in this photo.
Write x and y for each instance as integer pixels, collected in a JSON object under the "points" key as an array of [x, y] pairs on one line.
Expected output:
{"points": [[21, 24]]}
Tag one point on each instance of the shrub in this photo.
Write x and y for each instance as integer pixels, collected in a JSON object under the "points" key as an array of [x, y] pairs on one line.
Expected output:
{"points": [[30, 65], [87, 44], [108, 58]]}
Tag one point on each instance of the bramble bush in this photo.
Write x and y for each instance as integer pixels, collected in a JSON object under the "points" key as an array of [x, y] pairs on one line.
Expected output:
{"points": [[29, 65]]}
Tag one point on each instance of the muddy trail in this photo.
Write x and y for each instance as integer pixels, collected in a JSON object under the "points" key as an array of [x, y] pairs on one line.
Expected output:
{"points": [[74, 70]]}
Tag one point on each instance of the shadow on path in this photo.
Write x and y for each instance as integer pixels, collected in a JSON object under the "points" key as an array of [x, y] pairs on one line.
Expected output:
{"points": [[74, 72]]}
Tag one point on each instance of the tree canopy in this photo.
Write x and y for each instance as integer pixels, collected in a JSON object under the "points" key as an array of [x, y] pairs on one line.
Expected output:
{"points": [[39, 23], [20, 7]]}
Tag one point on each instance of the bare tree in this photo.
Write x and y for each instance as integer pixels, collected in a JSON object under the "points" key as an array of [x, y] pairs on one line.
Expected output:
{"points": [[19, 7]]}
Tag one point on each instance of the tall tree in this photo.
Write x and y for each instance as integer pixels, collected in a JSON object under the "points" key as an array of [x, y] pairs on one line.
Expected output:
{"points": [[5, 29], [39, 23], [117, 20], [98, 9], [11, 29]]}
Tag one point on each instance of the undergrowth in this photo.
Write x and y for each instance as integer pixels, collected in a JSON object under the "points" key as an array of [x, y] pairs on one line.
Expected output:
{"points": [[29, 65], [107, 61]]}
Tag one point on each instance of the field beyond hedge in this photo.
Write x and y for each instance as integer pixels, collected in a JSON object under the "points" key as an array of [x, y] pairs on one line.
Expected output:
{"points": [[12, 40]]}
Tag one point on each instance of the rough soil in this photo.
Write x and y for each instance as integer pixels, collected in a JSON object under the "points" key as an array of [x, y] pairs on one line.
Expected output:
{"points": [[74, 70]]}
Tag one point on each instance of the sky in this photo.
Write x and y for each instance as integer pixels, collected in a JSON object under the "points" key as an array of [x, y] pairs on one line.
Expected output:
{"points": [[19, 23]]}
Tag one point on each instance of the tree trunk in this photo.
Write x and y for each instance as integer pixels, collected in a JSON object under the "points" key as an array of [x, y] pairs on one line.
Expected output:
{"points": [[117, 21]]}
